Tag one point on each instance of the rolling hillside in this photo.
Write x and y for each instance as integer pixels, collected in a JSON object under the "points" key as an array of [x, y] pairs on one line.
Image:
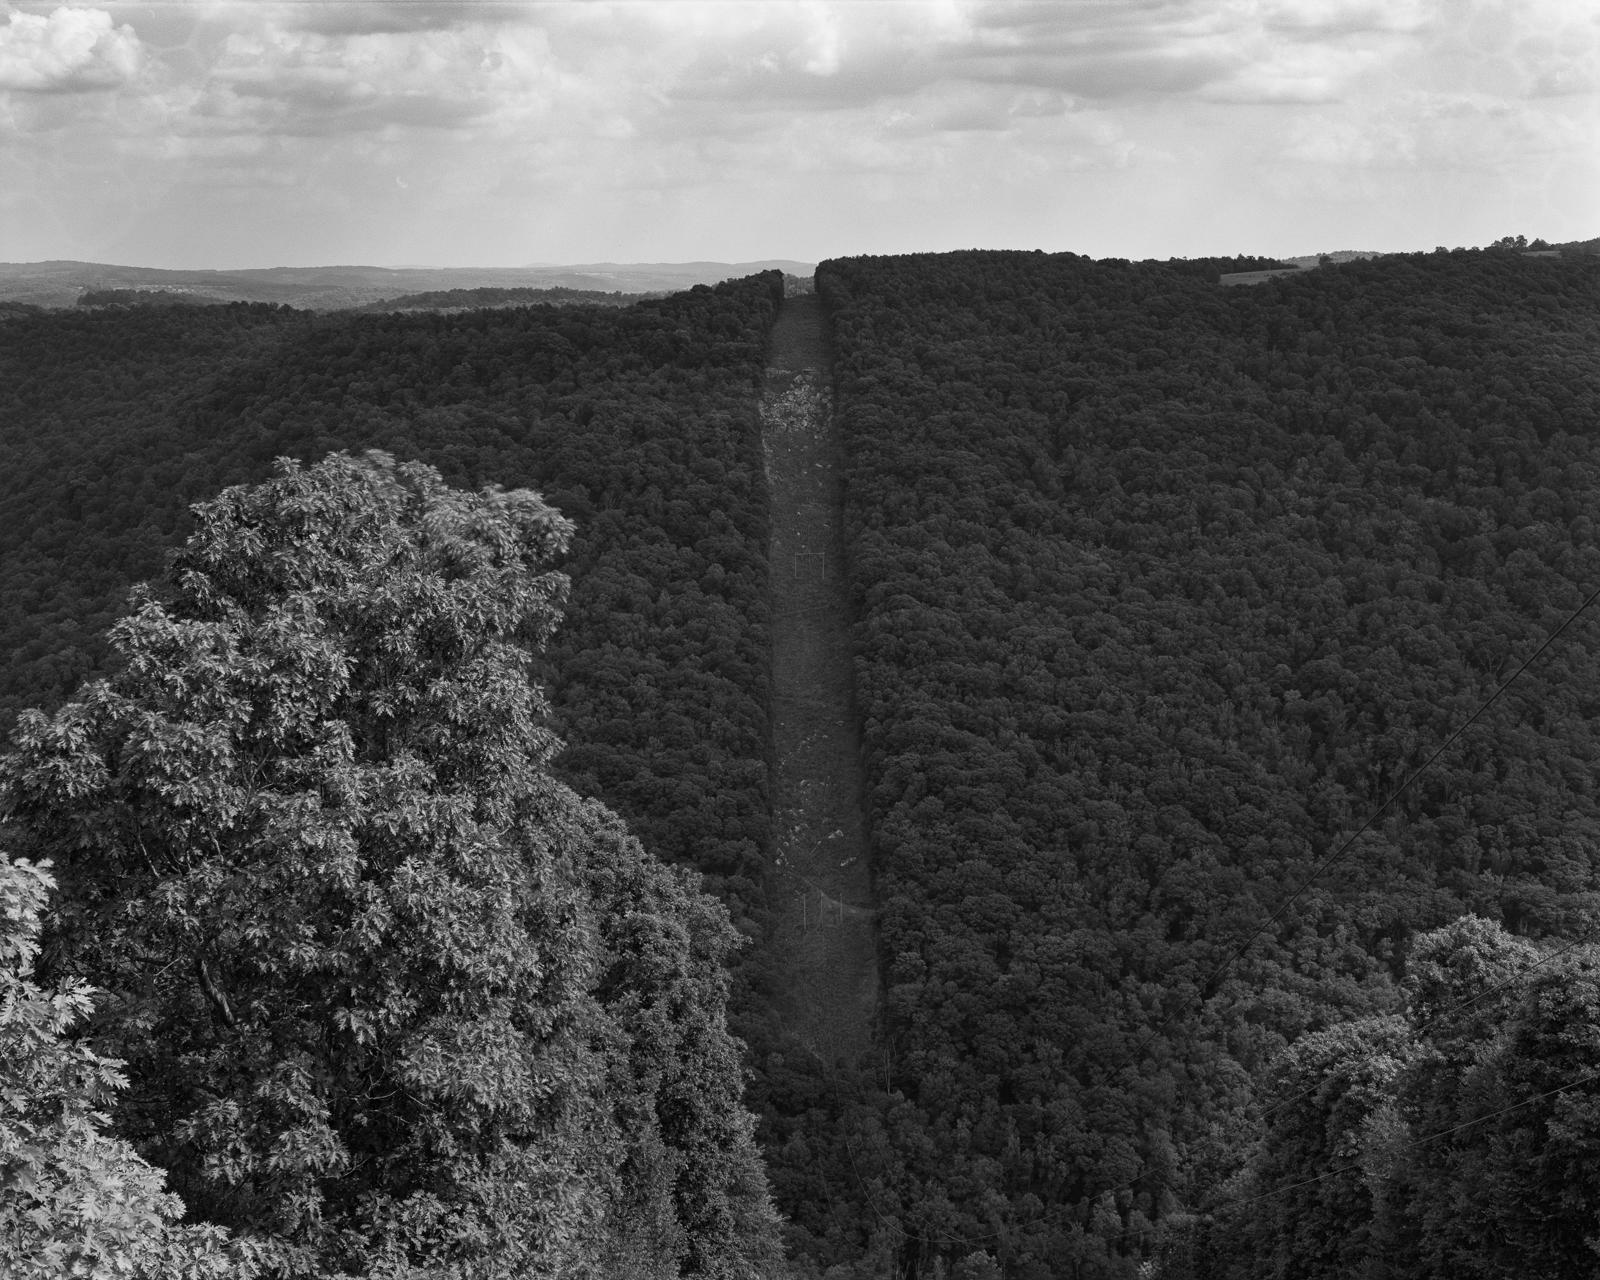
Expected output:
{"points": [[1217, 663], [60, 284]]}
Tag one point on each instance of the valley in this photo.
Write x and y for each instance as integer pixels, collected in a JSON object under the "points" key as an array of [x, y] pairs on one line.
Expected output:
{"points": [[987, 651]]}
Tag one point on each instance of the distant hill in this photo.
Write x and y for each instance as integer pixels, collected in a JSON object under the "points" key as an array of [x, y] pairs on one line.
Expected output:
{"points": [[62, 283], [147, 298], [467, 299], [1353, 255], [1256, 277], [1307, 260], [1160, 591]]}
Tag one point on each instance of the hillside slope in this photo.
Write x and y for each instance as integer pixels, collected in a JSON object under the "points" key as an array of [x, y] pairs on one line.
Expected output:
{"points": [[639, 423], [1161, 590]]}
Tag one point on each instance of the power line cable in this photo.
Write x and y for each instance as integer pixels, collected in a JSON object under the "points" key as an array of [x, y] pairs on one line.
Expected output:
{"points": [[1316, 873], [1433, 1021], [1372, 817], [1146, 1232], [1459, 1005], [1339, 853], [1410, 1146]]}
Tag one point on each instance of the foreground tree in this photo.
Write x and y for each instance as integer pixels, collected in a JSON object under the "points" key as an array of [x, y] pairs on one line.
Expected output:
{"points": [[1306, 1201], [1458, 1141], [1542, 1167], [364, 948], [1463, 991], [74, 1201]]}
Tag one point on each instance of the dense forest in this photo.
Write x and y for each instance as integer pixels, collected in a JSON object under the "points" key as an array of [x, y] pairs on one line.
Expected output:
{"points": [[390, 999], [638, 423], [1196, 958], [1162, 591], [145, 298]]}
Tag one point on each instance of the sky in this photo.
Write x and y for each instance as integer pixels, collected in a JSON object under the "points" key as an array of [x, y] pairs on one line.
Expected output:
{"points": [[249, 133]]}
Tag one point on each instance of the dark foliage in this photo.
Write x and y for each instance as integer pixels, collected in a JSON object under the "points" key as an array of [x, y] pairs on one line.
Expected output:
{"points": [[1213, 268], [638, 423], [1456, 1140], [145, 298], [1162, 588], [390, 996]]}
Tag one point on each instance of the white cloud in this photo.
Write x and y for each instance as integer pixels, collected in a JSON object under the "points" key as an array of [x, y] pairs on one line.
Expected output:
{"points": [[1560, 58], [68, 50], [1297, 73], [388, 17], [528, 116], [1324, 19], [1436, 131], [308, 83]]}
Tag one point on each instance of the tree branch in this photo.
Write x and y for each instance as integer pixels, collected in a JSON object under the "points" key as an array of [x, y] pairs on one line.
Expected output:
{"points": [[219, 1001]]}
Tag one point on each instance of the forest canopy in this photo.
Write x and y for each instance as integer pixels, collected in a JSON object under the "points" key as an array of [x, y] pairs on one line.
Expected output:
{"points": [[1161, 591], [639, 423]]}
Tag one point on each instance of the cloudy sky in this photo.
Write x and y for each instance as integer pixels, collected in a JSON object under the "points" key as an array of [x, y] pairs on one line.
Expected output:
{"points": [[233, 133]]}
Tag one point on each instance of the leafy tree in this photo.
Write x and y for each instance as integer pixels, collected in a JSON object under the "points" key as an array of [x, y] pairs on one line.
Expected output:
{"points": [[74, 1201], [1315, 1172], [365, 979], [1456, 1141], [1539, 1191], [1462, 993]]}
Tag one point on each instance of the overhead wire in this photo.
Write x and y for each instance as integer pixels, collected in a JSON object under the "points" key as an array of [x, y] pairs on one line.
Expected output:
{"points": [[1327, 862], [1345, 846], [1433, 1021], [1515, 978], [1208, 986], [1337, 854], [1356, 1165], [1410, 1146]]}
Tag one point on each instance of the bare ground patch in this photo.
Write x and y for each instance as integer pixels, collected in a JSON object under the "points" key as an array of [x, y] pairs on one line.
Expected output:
{"points": [[826, 938]]}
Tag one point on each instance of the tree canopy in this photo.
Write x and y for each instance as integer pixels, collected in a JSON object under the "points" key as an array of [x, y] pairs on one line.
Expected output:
{"points": [[1161, 589], [389, 994], [74, 1200]]}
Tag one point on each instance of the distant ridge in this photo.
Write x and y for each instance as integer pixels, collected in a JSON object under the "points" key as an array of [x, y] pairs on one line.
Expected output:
{"points": [[678, 268], [60, 283], [1335, 255]]}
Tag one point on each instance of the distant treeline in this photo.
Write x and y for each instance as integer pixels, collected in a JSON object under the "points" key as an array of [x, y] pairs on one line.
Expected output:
{"points": [[1214, 268], [146, 298], [460, 299]]}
